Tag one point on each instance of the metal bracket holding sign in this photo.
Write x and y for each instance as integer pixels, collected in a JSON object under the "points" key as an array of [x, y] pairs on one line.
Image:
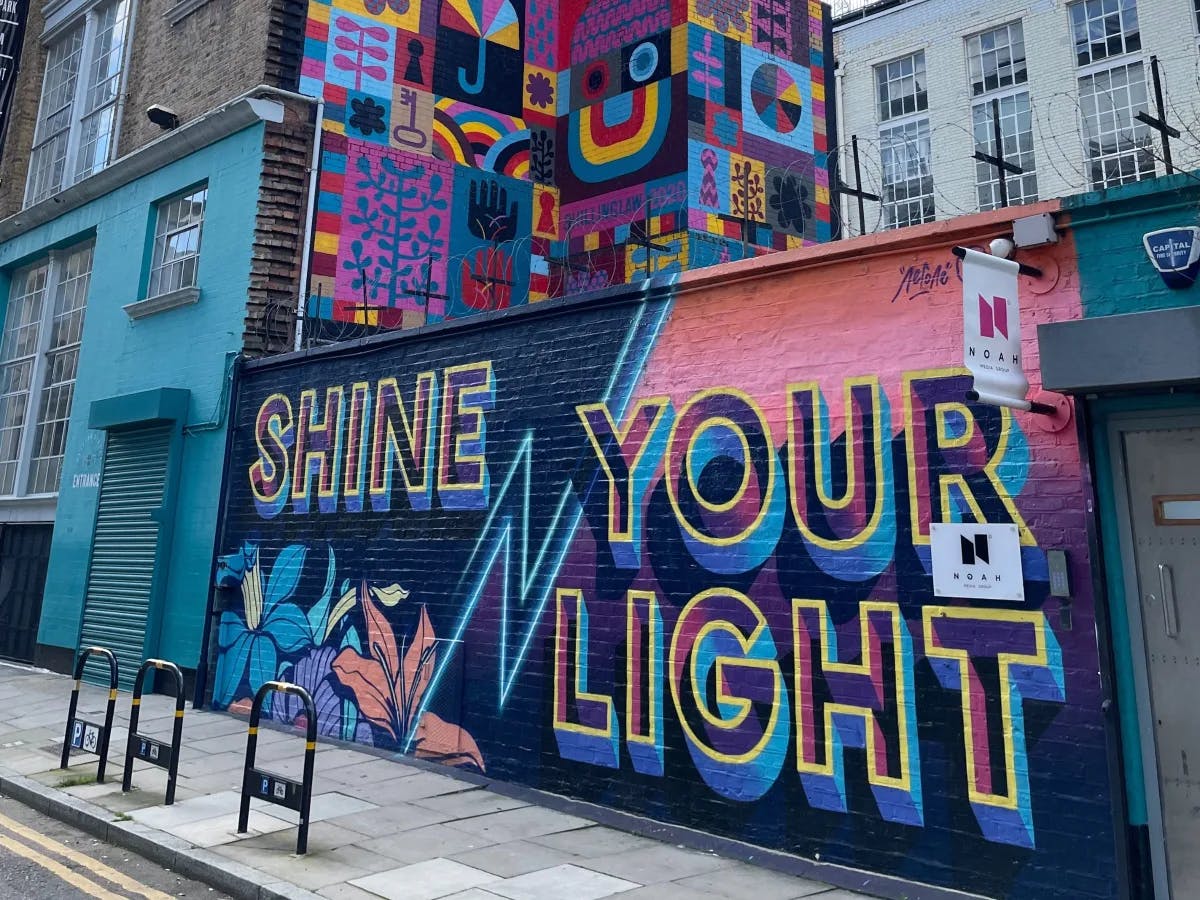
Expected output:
{"points": [[977, 562], [90, 737], [147, 749], [295, 795]]}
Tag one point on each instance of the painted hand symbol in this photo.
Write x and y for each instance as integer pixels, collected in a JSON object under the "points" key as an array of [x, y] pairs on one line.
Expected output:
{"points": [[489, 214]]}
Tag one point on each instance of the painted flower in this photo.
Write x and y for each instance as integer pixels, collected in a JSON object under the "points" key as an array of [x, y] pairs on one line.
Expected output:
{"points": [[726, 15], [336, 717], [540, 90], [367, 116], [270, 623], [389, 685]]}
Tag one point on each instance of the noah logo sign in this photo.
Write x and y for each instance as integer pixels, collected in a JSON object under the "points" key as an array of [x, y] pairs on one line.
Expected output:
{"points": [[977, 562], [992, 329]]}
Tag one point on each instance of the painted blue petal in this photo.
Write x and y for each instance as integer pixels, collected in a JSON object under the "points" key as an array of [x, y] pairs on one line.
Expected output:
{"points": [[350, 639], [231, 667], [263, 662], [289, 627], [232, 627], [285, 575], [319, 613]]}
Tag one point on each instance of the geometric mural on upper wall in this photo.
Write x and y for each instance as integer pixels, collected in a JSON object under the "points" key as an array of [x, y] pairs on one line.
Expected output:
{"points": [[482, 154]]}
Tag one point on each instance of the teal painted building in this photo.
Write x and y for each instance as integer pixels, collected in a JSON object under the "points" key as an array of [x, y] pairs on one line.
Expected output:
{"points": [[152, 268], [1132, 365]]}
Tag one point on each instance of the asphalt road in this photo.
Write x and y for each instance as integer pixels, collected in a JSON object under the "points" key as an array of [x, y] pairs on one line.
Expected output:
{"points": [[43, 859]]}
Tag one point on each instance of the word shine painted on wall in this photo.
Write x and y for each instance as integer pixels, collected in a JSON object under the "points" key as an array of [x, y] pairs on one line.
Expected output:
{"points": [[479, 154], [610, 551]]}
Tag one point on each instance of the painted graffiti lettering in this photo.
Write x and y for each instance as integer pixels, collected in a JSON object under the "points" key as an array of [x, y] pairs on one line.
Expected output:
{"points": [[353, 445], [953, 468], [730, 696]]}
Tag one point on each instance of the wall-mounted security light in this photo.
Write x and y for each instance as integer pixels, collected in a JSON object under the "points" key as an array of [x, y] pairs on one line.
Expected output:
{"points": [[163, 117]]}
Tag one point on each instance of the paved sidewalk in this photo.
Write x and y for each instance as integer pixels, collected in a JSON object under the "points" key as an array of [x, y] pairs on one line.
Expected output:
{"points": [[381, 827]]}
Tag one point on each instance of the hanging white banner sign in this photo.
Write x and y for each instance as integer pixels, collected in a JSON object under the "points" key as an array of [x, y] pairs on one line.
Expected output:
{"points": [[992, 329]]}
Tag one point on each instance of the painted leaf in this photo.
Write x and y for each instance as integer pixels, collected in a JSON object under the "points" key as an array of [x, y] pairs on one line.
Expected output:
{"points": [[366, 679], [318, 615], [381, 643], [252, 595], [232, 666], [390, 595], [446, 743], [418, 662], [285, 575], [344, 605], [288, 625], [232, 627]]}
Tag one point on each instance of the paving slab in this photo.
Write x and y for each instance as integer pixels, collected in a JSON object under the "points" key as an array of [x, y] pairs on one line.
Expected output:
{"points": [[467, 804], [330, 805], [594, 841], [514, 858], [653, 865], [426, 843], [223, 829], [747, 881], [513, 824], [425, 880], [565, 882], [391, 819]]}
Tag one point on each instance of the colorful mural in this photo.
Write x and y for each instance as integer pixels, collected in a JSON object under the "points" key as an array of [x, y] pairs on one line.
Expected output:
{"points": [[674, 557], [479, 154]]}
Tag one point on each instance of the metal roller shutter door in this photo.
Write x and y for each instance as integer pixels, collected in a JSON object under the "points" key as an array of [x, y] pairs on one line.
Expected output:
{"points": [[124, 546]]}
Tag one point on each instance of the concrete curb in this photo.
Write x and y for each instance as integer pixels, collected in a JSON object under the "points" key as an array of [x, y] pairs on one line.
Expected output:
{"points": [[235, 879]]}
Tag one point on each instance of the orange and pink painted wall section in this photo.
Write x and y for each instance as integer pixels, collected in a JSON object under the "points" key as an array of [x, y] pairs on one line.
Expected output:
{"points": [[671, 555]]}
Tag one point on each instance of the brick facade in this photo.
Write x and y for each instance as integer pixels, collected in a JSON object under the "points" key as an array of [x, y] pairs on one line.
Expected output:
{"points": [[14, 155]]}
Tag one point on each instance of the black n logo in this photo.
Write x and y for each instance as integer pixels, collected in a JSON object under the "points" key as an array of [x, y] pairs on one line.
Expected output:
{"points": [[975, 550]]}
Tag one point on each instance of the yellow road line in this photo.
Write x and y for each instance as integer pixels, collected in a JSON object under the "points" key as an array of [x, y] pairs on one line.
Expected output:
{"points": [[59, 870], [106, 872]]}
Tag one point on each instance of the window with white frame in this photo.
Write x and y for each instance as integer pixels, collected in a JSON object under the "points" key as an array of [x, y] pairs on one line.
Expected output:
{"points": [[1118, 148], [907, 194], [39, 355], [997, 72], [904, 148], [177, 243], [77, 117], [901, 86]]}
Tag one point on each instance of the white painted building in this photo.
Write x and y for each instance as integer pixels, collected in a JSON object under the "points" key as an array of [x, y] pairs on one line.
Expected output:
{"points": [[916, 80]]}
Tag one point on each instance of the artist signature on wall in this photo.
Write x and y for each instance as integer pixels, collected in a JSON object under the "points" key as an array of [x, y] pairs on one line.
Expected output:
{"points": [[919, 280]]}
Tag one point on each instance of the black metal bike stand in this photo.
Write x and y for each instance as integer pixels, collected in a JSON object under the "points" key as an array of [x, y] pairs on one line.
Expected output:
{"points": [[81, 734], [147, 749], [274, 788]]}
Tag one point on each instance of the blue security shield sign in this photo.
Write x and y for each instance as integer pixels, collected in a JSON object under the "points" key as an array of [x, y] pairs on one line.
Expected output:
{"points": [[1175, 253]]}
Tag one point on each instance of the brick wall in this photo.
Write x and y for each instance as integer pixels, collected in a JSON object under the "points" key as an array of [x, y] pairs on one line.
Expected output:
{"points": [[628, 551], [14, 156], [275, 271]]}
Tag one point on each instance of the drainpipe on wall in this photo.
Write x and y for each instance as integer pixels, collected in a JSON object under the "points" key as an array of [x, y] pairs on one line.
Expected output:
{"points": [[114, 150], [207, 650], [302, 295], [840, 100]]}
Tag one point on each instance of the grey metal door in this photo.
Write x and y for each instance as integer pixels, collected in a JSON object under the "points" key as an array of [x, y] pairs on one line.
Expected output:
{"points": [[1162, 468], [124, 546]]}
